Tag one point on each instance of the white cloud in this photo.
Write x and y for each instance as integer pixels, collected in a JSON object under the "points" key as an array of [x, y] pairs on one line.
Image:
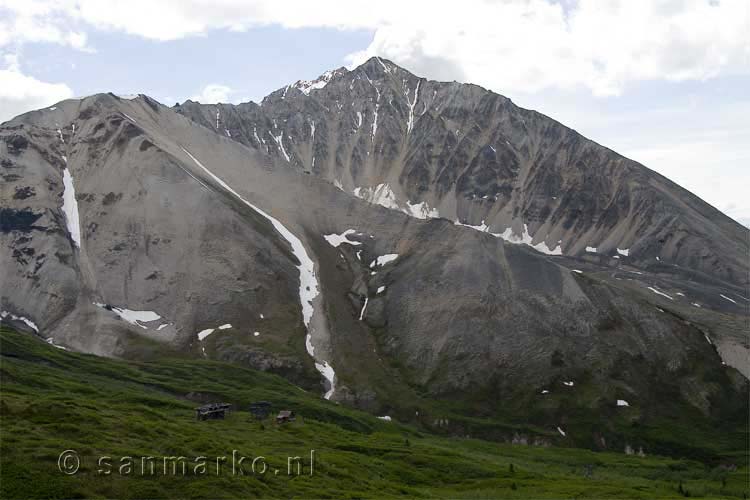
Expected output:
{"points": [[602, 45], [213, 93], [509, 46], [20, 93], [24, 21]]}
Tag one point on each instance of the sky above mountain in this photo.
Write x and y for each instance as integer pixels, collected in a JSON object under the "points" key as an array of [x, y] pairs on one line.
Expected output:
{"points": [[662, 82]]}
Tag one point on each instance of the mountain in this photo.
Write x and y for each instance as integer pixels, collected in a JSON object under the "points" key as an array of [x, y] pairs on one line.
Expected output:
{"points": [[420, 249], [434, 149]]}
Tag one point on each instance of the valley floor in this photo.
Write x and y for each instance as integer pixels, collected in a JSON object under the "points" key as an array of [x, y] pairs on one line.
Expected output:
{"points": [[52, 400]]}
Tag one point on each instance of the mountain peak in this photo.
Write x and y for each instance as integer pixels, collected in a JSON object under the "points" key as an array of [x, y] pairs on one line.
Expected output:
{"points": [[378, 67], [305, 86]]}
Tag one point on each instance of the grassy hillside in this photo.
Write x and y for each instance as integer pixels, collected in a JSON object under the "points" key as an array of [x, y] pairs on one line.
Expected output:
{"points": [[52, 400]]}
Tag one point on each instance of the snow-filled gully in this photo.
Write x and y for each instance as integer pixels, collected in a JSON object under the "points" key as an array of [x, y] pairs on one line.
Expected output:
{"points": [[308, 282], [70, 206]]}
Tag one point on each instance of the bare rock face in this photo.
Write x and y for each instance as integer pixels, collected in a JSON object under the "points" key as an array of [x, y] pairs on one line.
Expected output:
{"points": [[397, 244], [469, 155], [147, 241]]}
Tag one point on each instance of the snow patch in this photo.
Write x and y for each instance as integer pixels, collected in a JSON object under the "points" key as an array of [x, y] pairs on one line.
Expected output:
{"points": [[205, 333], [591, 249], [659, 292], [280, 143], [481, 227], [562, 432], [381, 289], [385, 68], [133, 317], [410, 122], [27, 321], [375, 121], [518, 239], [421, 210], [51, 342], [526, 239], [569, 383], [384, 259], [255, 334], [379, 195], [727, 298], [385, 417], [225, 326], [305, 86], [337, 239], [70, 208], [364, 307], [327, 371], [383, 195], [622, 402], [577, 271], [624, 252]]}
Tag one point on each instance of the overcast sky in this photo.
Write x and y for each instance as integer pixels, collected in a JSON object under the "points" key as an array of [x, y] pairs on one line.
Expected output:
{"points": [[664, 82]]}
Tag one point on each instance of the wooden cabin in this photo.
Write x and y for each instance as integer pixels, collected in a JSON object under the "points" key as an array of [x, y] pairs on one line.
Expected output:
{"points": [[212, 411], [285, 416]]}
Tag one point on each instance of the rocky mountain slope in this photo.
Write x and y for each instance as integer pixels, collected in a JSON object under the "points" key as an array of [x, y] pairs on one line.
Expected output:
{"points": [[456, 151], [409, 247]]}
